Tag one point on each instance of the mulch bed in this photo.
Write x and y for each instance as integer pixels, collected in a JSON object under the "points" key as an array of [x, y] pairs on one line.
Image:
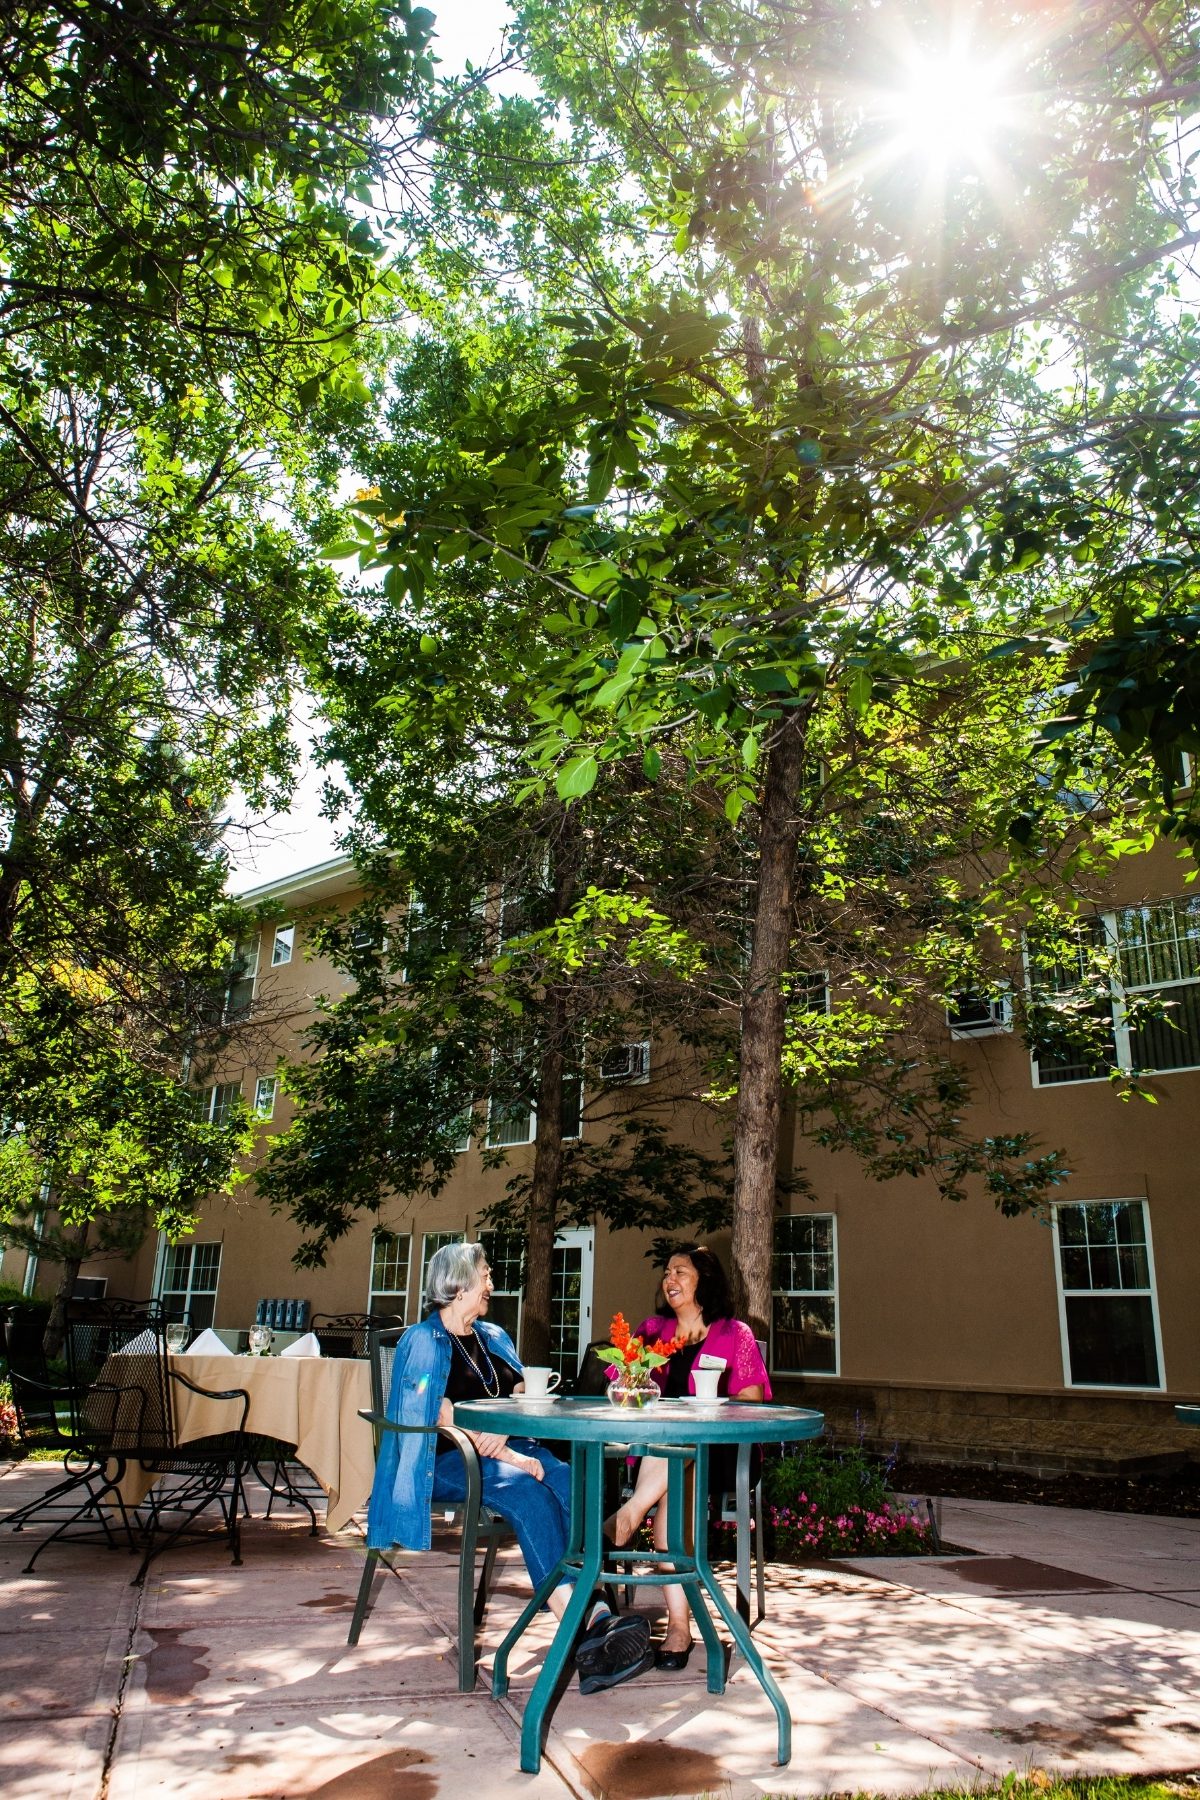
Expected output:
{"points": [[1173, 1493]]}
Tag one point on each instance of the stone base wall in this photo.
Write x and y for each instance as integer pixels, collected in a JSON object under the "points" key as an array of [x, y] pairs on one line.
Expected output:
{"points": [[1044, 1433]]}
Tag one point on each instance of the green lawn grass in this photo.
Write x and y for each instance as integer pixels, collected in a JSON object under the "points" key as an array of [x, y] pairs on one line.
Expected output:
{"points": [[1037, 1785]]}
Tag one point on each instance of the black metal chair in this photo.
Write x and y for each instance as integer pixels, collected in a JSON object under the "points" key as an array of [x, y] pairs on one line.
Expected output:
{"points": [[98, 1329], [22, 1329], [208, 1471], [85, 1429], [477, 1523], [349, 1334]]}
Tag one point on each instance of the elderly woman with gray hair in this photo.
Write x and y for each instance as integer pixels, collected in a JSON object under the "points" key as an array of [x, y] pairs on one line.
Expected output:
{"points": [[456, 1354]]}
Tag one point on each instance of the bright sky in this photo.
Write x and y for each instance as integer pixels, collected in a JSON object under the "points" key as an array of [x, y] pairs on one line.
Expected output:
{"points": [[265, 849]]}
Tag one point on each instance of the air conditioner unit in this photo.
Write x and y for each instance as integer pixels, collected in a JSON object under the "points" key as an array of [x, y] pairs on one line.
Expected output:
{"points": [[628, 1063], [978, 1015], [90, 1287]]}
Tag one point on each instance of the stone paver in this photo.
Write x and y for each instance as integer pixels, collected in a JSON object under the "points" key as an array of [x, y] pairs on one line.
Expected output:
{"points": [[1071, 1642]]}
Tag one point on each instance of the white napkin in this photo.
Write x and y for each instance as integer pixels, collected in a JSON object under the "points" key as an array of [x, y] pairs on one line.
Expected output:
{"points": [[207, 1344], [144, 1344], [303, 1346]]}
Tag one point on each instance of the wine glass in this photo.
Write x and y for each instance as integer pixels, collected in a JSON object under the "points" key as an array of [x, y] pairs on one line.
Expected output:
{"points": [[177, 1337], [261, 1337]]}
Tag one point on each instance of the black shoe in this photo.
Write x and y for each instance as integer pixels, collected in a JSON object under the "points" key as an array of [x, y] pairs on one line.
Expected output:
{"points": [[613, 1643], [592, 1684], [671, 1659]]}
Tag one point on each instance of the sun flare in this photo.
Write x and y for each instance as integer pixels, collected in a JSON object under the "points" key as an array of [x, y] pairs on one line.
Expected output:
{"points": [[949, 108]]}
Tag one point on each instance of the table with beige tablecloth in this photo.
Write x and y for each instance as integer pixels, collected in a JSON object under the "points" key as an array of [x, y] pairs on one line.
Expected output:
{"points": [[312, 1402]]}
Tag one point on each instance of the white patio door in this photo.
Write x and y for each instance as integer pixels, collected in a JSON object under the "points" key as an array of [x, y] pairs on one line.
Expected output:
{"points": [[571, 1300]]}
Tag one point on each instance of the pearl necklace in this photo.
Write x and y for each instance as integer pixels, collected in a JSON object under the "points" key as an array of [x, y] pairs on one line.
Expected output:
{"points": [[493, 1393]]}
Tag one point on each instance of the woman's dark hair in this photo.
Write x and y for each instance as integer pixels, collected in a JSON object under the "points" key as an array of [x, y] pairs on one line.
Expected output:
{"points": [[712, 1289]]}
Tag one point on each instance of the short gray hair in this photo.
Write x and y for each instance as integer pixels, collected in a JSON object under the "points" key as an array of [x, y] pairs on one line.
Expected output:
{"points": [[452, 1269]]}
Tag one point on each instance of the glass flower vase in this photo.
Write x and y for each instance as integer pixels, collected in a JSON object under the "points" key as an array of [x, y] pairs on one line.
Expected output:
{"points": [[633, 1387]]}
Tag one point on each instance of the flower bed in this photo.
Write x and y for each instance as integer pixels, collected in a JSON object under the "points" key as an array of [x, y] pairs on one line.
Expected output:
{"points": [[823, 1501], [803, 1531], [8, 1420]]}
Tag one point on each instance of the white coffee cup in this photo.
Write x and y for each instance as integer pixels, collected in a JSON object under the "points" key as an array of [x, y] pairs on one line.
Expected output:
{"points": [[540, 1382], [706, 1382]]}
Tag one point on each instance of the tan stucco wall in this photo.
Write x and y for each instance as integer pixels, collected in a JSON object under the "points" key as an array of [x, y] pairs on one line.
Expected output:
{"points": [[948, 1314]]}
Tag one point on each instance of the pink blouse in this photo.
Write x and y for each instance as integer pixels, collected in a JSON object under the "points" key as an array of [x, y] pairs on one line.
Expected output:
{"points": [[744, 1366]]}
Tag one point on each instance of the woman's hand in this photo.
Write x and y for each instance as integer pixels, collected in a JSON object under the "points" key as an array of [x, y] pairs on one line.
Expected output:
{"points": [[749, 1393], [488, 1443]]}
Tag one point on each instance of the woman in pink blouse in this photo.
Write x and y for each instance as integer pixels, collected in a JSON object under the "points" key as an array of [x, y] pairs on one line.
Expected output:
{"points": [[696, 1289]]}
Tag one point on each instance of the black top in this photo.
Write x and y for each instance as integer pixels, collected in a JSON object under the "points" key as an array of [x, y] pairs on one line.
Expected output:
{"points": [[474, 1375], [679, 1369]]}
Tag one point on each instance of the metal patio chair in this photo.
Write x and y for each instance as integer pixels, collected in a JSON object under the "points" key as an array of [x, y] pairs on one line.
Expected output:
{"points": [[349, 1334], [86, 1428], [191, 1476], [477, 1523]]}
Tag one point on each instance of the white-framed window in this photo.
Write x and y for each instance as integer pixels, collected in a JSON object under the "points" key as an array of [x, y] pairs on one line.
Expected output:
{"points": [[572, 1105], [505, 1252], [804, 1309], [391, 1254], [1108, 1308], [431, 1242], [512, 1118], [973, 1015], [215, 1104], [1127, 996], [808, 990], [626, 1064], [521, 896], [239, 980], [430, 934], [464, 1120], [187, 1282], [265, 1090], [512, 1112], [285, 943], [466, 1126], [368, 937]]}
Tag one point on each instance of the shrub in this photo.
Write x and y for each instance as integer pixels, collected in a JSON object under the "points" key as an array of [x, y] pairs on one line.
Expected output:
{"points": [[825, 1501], [8, 1418]]}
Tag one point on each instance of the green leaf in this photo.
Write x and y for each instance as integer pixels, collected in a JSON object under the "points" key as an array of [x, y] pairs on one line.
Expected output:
{"points": [[576, 778], [623, 611], [858, 693], [768, 681]]}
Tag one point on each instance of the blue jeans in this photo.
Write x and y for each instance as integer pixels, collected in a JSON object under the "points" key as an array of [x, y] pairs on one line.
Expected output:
{"points": [[538, 1511]]}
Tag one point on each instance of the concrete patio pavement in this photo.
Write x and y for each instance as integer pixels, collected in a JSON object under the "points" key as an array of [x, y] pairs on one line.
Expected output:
{"points": [[1070, 1642]]}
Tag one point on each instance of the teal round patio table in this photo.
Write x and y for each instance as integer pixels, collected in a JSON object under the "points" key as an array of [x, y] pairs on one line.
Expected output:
{"points": [[683, 1431], [1188, 1415]]}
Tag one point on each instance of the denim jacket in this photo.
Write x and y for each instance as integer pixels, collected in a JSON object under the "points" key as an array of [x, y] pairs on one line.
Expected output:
{"points": [[399, 1512]]}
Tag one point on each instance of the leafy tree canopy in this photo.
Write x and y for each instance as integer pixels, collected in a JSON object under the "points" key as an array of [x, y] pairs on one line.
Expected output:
{"points": [[834, 429]]}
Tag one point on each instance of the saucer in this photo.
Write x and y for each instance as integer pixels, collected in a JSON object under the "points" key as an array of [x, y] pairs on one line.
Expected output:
{"points": [[700, 1400], [533, 1399]]}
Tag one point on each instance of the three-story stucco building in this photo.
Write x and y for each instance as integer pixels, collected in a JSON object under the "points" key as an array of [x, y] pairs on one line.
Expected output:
{"points": [[1060, 1337]]}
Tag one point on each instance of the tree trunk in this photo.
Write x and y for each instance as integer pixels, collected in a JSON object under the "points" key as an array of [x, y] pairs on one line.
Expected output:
{"points": [[543, 1200], [56, 1324], [756, 1130], [554, 1034]]}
